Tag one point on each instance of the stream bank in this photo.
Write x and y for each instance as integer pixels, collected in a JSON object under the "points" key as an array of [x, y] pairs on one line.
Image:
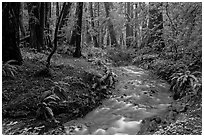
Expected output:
{"points": [[137, 98]]}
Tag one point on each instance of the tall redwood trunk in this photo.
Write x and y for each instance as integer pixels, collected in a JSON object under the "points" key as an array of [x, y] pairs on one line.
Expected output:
{"points": [[92, 25], [77, 41], [22, 28], [10, 32], [66, 13], [128, 29], [47, 14], [36, 23], [42, 24]]}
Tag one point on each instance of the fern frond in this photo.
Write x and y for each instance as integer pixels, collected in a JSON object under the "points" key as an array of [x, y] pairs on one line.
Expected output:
{"points": [[60, 93], [193, 77], [197, 73], [49, 112], [52, 103], [52, 98]]}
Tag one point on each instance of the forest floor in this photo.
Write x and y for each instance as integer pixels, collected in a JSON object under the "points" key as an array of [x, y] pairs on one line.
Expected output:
{"points": [[140, 103]]}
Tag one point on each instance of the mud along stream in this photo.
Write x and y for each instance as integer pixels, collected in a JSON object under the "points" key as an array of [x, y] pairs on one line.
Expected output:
{"points": [[137, 95]]}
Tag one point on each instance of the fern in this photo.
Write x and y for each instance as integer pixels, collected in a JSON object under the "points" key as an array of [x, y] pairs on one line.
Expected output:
{"points": [[183, 81], [50, 99], [9, 70]]}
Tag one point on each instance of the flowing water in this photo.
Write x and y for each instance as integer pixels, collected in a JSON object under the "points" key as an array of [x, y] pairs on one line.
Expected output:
{"points": [[138, 95]]}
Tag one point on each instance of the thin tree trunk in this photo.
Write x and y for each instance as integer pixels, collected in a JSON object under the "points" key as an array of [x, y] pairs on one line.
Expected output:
{"points": [[23, 32], [131, 17], [87, 34], [55, 36], [48, 14], [136, 25], [98, 24], [77, 43], [110, 25], [66, 13], [92, 26], [57, 9], [34, 25], [128, 31], [42, 24]]}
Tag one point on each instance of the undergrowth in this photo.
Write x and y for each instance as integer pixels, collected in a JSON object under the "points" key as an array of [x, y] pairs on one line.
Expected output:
{"points": [[70, 90]]}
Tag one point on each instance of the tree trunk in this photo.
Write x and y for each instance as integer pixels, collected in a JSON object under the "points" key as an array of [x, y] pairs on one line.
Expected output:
{"points": [[10, 32], [36, 23], [23, 32], [42, 24], [110, 25], [87, 34], [98, 25], [128, 29], [136, 25], [57, 10], [47, 15], [55, 35], [92, 25], [156, 27], [66, 12], [77, 43]]}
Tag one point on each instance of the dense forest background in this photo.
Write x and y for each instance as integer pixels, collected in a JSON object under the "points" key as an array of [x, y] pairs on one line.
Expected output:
{"points": [[167, 30], [165, 38], [158, 36]]}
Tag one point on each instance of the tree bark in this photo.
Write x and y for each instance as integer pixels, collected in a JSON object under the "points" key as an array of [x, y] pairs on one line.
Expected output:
{"points": [[136, 26], [77, 43], [110, 25], [36, 23], [57, 9], [22, 28], [66, 13], [42, 24], [92, 25], [128, 29], [47, 14], [10, 32]]}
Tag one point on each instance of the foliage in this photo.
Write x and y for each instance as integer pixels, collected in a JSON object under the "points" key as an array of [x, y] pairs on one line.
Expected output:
{"points": [[58, 100], [119, 57], [9, 70], [49, 100], [183, 81]]}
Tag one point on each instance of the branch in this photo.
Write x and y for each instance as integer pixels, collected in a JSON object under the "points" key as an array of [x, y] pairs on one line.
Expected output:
{"points": [[55, 35]]}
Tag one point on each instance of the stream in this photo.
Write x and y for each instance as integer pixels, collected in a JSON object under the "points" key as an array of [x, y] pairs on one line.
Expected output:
{"points": [[137, 95]]}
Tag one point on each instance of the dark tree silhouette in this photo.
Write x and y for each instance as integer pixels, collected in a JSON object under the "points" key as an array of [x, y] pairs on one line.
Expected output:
{"points": [[77, 30], [66, 13], [36, 24], [10, 32]]}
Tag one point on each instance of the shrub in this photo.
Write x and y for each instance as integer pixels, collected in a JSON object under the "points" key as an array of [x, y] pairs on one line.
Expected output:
{"points": [[119, 57]]}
